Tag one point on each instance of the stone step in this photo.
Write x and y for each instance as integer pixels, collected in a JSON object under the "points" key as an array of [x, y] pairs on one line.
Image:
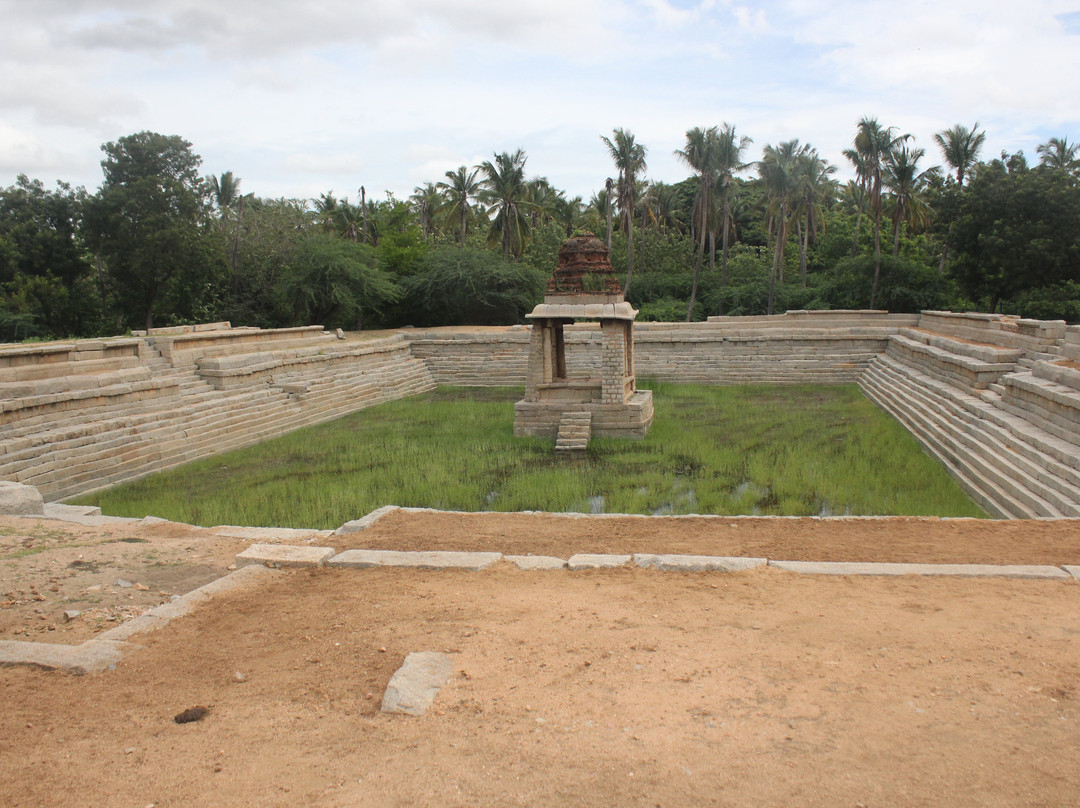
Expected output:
{"points": [[992, 458], [575, 428]]}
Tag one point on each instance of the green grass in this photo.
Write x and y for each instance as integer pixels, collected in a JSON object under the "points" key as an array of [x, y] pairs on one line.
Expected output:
{"points": [[804, 450]]}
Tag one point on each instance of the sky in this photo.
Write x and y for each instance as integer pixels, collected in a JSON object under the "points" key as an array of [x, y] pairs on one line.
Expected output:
{"points": [[299, 99]]}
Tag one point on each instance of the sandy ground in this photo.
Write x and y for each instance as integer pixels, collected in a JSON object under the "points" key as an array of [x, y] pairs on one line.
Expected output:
{"points": [[625, 687]]}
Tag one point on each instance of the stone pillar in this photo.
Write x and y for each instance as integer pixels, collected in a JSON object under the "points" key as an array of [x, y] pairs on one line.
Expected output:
{"points": [[612, 362]]}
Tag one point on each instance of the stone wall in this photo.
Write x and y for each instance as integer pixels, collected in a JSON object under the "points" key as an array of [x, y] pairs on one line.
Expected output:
{"points": [[995, 398], [80, 416]]}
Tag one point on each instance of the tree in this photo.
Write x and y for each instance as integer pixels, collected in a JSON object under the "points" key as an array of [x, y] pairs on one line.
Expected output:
{"points": [[814, 189], [728, 161], [335, 282], [960, 146], [629, 159], [425, 202], [461, 188], [778, 169], [1017, 229], [901, 176], [873, 142], [43, 267], [1058, 153], [700, 154], [505, 191], [145, 223]]}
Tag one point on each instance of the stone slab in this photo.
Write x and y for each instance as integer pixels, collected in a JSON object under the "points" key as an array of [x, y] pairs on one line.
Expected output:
{"points": [[595, 561], [957, 570], [364, 522], [58, 510], [536, 562], [433, 560], [1073, 570], [285, 555], [270, 535], [414, 686], [92, 656], [695, 563], [17, 499]]}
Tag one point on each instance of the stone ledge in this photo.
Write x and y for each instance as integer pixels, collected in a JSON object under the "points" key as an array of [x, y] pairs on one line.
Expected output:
{"points": [[432, 560], [693, 563], [953, 570], [92, 656], [529, 562], [364, 522], [285, 555], [596, 561], [1073, 570]]}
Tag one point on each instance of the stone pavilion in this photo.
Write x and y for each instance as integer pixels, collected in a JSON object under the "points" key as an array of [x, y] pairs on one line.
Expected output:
{"points": [[600, 396]]}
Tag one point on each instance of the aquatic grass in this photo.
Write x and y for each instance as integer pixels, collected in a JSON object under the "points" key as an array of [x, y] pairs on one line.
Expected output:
{"points": [[804, 450]]}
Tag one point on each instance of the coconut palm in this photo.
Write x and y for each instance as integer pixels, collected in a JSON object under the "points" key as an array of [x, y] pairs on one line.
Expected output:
{"points": [[859, 191], [778, 169], [700, 156], [425, 202], [629, 159], [814, 189], [504, 190], [462, 187], [873, 142], [905, 183], [608, 192], [1059, 153], [960, 146], [729, 149]]}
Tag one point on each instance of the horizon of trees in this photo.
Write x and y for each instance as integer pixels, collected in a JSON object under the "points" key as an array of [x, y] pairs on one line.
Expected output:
{"points": [[160, 244]]}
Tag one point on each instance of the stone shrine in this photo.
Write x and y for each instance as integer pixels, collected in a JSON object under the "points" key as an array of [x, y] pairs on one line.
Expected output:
{"points": [[602, 397]]}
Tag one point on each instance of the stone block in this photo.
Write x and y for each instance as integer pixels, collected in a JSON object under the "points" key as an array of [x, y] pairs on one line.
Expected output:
{"points": [[529, 562], [285, 555], [956, 570], [413, 687], [1073, 570], [594, 561], [692, 563], [364, 522], [17, 499], [431, 560]]}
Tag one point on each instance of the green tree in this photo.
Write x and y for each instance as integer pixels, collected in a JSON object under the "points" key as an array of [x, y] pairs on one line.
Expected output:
{"points": [[701, 155], [146, 224], [1059, 153], [426, 201], [461, 189], [335, 282], [629, 159], [814, 190], [778, 169], [960, 147], [1016, 230], [505, 191], [905, 183], [729, 151]]}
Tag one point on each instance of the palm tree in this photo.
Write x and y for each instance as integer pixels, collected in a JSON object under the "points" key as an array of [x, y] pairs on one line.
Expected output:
{"points": [[1059, 153], [873, 142], [960, 146], [226, 191], [609, 189], [901, 176], [728, 160], [504, 189], [859, 191], [462, 187], [700, 155], [425, 201], [814, 188], [629, 158], [778, 169]]}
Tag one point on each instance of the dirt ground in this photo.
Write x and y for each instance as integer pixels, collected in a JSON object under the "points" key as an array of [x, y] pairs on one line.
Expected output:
{"points": [[618, 687]]}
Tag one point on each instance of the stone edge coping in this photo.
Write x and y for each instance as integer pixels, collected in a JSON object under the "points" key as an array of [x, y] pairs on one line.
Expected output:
{"points": [[106, 650], [293, 556]]}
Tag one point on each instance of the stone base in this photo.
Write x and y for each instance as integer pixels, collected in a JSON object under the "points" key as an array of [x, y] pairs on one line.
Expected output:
{"points": [[629, 420]]}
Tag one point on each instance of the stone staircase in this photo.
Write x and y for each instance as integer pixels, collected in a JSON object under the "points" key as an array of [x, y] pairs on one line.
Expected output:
{"points": [[1001, 418], [83, 437], [575, 427]]}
